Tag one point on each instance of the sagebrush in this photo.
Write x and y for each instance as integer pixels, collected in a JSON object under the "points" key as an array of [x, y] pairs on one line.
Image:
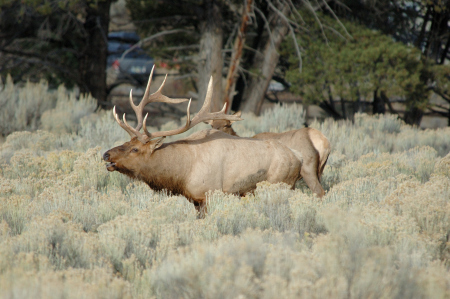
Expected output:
{"points": [[70, 229]]}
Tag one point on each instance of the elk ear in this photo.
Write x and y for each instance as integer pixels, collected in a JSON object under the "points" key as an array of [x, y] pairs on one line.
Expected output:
{"points": [[209, 122], [154, 144]]}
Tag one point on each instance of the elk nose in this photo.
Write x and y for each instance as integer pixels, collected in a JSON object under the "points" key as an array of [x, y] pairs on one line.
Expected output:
{"points": [[105, 156]]}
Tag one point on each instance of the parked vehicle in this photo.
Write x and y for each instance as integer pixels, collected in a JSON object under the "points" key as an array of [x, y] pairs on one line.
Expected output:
{"points": [[129, 64]]}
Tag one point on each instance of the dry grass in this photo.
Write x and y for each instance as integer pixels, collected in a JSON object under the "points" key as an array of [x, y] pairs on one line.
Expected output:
{"points": [[70, 229]]}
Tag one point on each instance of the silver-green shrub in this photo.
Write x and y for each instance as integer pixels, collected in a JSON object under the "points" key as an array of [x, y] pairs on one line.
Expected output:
{"points": [[33, 105], [68, 112], [69, 228], [101, 130], [23, 106], [280, 118]]}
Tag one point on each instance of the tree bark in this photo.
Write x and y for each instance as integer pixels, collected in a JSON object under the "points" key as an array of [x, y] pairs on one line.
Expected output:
{"points": [[344, 111], [236, 55], [249, 57], [419, 40], [210, 56], [388, 102], [330, 97], [445, 52], [413, 116], [330, 110], [265, 63], [92, 63], [378, 104]]}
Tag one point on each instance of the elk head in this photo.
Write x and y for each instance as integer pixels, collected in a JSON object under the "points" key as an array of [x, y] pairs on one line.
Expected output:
{"points": [[224, 125], [128, 158]]}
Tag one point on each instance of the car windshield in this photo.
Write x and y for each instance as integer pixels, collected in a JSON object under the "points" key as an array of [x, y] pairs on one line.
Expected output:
{"points": [[116, 48], [137, 53], [136, 65]]}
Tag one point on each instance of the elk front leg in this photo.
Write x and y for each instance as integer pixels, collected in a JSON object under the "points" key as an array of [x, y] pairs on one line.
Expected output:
{"points": [[200, 207]]}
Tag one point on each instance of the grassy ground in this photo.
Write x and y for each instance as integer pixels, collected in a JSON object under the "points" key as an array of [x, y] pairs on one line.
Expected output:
{"points": [[70, 229]]}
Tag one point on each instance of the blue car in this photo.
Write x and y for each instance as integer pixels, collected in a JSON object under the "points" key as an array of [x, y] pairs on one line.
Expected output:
{"points": [[135, 65]]}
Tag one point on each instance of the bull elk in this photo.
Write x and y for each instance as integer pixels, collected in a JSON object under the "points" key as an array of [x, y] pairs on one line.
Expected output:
{"points": [[313, 146], [201, 162]]}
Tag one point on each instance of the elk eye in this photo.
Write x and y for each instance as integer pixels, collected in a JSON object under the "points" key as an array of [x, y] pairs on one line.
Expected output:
{"points": [[134, 150]]}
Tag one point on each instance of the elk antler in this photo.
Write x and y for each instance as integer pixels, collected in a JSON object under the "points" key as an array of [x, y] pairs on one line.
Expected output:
{"points": [[201, 116], [139, 109]]}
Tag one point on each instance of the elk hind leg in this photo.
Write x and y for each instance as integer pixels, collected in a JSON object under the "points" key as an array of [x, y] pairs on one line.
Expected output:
{"points": [[321, 168], [310, 175], [323, 161]]}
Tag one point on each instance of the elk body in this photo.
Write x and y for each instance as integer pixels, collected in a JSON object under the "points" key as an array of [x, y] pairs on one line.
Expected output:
{"points": [[201, 162], [312, 145]]}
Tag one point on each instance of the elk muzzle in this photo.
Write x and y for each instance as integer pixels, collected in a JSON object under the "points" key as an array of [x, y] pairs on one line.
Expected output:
{"points": [[110, 166]]}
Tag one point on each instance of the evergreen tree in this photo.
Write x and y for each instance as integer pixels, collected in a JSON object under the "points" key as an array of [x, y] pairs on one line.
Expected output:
{"points": [[370, 65], [60, 41]]}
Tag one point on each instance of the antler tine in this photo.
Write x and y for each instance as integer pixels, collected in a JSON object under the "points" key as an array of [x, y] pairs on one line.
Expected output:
{"points": [[151, 98], [207, 103], [145, 126], [141, 137], [203, 115], [147, 88], [180, 130], [124, 126], [129, 129], [157, 96]]}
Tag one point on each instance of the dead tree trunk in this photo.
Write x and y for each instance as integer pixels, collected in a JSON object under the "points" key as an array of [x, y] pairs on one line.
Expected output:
{"points": [[210, 56], [265, 62]]}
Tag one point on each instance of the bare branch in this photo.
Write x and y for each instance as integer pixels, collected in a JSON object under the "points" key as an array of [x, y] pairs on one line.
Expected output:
{"points": [[440, 106], [187, 47], [292, 32], [334, 31], [232, 36], [442, 113], [266, 24], [286, 19], [318, 7], [337, 2], [337, 19], [148, 39], [441, 94], [309, 6], [294, 10]]}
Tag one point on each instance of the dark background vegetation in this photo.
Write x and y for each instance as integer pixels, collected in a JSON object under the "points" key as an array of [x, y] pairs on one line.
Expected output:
{"points": [[345, 56]]}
